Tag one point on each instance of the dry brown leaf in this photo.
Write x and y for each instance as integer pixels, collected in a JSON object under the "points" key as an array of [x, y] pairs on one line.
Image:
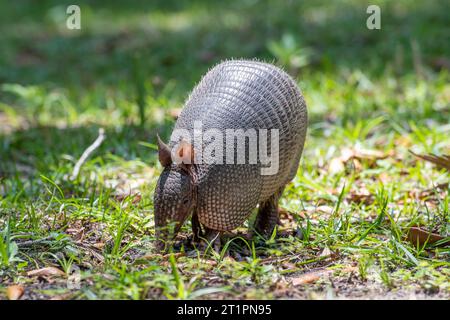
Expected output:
{"points": [[288, 265], [307, 278], [213, 263], [325, 209], [422, 236], [361, 196], [371, 154], [176, 255], [440, 161], [99, 245], [46, 272], [311, 277], [288, 215], [422, 194], [326, 252], [15, 292], [337, 164], [358, 153], [350, 269], [357, 165]]}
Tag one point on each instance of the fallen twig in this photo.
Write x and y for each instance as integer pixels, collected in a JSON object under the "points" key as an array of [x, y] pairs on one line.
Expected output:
{"points": [[28, 243], [87, 153], [92, 250]]}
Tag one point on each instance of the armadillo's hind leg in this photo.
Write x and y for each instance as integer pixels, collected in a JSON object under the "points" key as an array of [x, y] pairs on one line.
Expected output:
{"points": [[267, 217]]}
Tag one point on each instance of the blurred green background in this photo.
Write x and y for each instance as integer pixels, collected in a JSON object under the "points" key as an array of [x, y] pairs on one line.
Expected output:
{"points": [[177, 41]]}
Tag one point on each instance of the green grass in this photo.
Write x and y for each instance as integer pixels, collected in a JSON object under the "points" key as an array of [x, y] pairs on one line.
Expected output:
{"points": [[134, 62]]}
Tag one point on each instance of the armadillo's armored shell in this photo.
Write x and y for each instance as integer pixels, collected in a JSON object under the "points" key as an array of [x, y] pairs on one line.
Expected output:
{"points": [[240, 94]]}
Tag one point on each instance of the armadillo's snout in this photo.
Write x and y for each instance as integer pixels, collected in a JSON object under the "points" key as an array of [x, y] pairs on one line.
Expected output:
{"points": [[172, 202]]}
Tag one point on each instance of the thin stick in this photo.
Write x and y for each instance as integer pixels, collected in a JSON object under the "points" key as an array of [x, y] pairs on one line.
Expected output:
{"points": [[87, 153], [32, 242]]}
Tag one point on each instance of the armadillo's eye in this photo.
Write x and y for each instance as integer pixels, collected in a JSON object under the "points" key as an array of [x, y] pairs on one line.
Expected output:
{"points": [[185, 201]]}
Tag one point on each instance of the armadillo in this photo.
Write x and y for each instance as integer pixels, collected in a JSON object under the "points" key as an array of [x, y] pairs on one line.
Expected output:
{"points": [[250, 96]]}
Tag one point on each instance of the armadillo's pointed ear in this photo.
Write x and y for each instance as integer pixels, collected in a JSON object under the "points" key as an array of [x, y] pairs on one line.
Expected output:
{"points": [[184, 155], [164, 155]]}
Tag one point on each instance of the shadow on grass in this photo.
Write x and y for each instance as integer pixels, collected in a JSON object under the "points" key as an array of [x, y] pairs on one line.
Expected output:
{"points": [[52, 150]]}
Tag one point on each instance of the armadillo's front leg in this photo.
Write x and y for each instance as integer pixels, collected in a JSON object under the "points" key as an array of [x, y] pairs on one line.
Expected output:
{"points": [[267, 217]]}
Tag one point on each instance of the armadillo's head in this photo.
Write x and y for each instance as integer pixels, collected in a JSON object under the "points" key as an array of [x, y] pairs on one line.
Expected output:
{"points": [[174, 198]]}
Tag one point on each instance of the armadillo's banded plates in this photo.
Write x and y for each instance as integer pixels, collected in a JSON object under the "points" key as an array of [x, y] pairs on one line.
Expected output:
{"points": [[240, 94]]}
